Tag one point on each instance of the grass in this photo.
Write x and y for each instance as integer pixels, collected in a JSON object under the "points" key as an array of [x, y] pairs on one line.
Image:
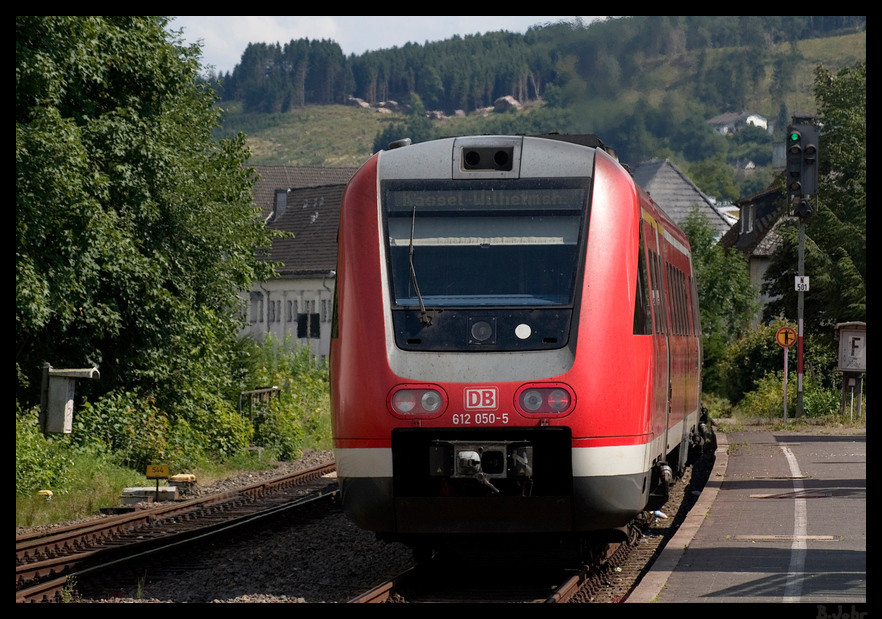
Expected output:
{"points": [[93, 481], [315, 135], [832, 424], [100, 484], [733, 419]]}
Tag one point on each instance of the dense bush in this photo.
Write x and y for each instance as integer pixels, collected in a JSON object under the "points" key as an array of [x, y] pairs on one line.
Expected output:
{"points": [[137, 433], [39, 463], [277, 427], [756, 354], [128, 430], [128, 425], [299, 413], [817, 400], [748, 359], [766, 400], [216, 430]]}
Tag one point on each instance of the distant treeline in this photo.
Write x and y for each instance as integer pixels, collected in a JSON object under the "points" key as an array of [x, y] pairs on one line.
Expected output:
{"points": [[473, 71]]}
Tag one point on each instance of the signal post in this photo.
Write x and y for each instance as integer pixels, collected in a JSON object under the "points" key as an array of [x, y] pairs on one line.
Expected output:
{"points": [[802, 184]]}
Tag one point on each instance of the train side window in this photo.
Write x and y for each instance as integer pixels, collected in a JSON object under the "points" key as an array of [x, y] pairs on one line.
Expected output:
{"points": [[672, 295], [681, 301], [642, 313], [684, 326], [676, 299], [684, 302], [693, 307], [658, 305]]}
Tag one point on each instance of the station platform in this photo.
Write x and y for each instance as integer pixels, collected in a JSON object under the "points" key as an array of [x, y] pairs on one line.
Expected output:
{"points": [[782, 519]]}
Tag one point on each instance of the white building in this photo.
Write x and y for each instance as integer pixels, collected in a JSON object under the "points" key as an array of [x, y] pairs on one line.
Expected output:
{"points": [[733, 122], [299, 302]]}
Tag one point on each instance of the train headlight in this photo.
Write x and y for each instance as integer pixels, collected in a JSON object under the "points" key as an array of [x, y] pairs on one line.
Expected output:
{"points": [[431, 401], [532, 400], [410, 400], [545, 399]]}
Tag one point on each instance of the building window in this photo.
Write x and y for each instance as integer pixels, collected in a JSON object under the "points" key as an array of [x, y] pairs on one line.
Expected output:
{"points": [[256, 310], [308, 326]]}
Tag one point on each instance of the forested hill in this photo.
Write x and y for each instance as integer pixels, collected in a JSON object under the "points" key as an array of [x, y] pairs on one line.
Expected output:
{"points": [[646, 85], [549, 61]]}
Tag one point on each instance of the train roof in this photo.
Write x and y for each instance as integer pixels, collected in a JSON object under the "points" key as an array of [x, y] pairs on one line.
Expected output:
{"points": [[583, 139]]}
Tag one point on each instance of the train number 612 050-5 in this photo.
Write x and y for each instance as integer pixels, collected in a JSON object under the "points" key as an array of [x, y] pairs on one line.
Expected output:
{"points": [[479, 419]]}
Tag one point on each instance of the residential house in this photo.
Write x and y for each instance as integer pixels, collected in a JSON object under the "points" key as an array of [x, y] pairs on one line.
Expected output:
{"points": [[305, 202], [755, 235], [677, 195], [732, 122]]}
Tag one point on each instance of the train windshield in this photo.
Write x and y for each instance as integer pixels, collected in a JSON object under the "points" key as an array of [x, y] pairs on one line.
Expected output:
{"points": [[484, 243]]}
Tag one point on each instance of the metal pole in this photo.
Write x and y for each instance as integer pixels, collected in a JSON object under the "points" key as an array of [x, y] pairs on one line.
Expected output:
{"points": [[861, 397], [851, 408], [785, 382], [44, 398], [799, 321]]}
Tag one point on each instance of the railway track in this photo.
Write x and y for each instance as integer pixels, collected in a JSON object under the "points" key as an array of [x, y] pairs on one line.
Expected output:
{"points": [[445, 582], [46, 562], [609, 578], [326, 559], [502, 575]]}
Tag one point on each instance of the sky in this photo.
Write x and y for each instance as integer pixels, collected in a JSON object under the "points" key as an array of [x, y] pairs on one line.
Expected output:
{"points": [[224, 38]]}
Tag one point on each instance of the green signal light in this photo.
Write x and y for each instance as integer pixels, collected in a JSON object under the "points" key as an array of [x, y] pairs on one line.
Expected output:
{"points": [[794, 136]]}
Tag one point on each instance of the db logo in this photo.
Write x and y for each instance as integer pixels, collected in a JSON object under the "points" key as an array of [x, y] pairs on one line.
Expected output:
{"points": [[481, 398]]}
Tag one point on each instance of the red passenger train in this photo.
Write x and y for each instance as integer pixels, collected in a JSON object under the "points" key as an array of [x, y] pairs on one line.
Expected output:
{"points": [[516, 347]]}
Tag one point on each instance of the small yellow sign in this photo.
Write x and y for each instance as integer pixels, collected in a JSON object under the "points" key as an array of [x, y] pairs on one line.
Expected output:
{"points": [[157, 471]]}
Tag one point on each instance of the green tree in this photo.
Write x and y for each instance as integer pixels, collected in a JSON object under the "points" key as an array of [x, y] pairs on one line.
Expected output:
{"points": [[835, 238], [135, 231], [417, 127], [726, 297], [431, 87], [715, 177]]}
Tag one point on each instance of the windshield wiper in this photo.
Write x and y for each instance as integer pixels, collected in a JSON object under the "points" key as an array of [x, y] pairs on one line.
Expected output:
{"points": [[425, 319]]}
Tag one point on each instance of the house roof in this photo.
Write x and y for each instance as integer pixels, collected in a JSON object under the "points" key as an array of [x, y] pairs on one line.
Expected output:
{"points": [[312, 216], [273, 177], [733, 118], [763, 238], [309, 208], [677, 195]]}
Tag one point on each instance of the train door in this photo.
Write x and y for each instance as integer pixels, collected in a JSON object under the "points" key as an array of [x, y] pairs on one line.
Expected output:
{"points": [[660, 348]]}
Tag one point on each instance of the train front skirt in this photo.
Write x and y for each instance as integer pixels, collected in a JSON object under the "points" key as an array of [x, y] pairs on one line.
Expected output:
{"points": [[536, 483]]}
